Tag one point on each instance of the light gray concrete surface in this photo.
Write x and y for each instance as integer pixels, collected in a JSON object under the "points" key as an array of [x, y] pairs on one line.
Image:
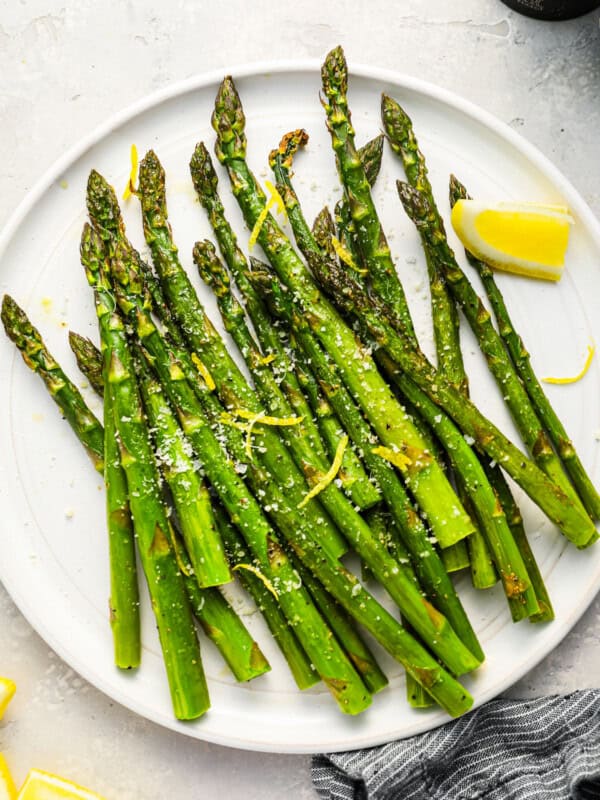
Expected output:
{"points": [[64, 67]]}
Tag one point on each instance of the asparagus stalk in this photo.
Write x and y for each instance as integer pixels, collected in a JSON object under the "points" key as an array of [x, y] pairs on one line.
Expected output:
{"points": [[227, 632], [170, 602], [424, 476], [105, 215], [382, 525], [124, 595], [297, 660], [64, 393], [190, 495], [447, 645], [450, 363], [521, 361], [426, 560], [88, 360], [354, 479], [490, 514], [401, 136], [217, 618], [124, 591], [269, 558]]}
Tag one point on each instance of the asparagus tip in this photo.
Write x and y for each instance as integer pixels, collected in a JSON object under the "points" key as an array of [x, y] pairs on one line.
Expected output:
{"points": [[288, 146], [151, 184], [229, 122], [12, 316], [102, 203], [203, 172], [457, 191], [334, 72]]}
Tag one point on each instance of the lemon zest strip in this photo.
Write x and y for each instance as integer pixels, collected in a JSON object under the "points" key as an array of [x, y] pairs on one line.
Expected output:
{"points": [[274, 199], [579, 376], [261, 417], [267, 359], [228, 418], [130, 188], [249, 428], [346, 256], [260, 576], [201, 367], [393, 456], [225, 418], [329, 475], [264, 419]]}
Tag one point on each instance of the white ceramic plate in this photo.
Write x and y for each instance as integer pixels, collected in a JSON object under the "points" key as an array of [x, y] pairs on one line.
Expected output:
{"points": [[54, 560]]}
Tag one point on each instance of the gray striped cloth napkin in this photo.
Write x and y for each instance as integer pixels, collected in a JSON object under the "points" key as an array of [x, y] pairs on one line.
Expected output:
{"points": [[546, 749]]}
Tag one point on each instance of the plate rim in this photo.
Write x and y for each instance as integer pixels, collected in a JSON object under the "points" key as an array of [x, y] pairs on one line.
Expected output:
{"points": [[273, 68]]}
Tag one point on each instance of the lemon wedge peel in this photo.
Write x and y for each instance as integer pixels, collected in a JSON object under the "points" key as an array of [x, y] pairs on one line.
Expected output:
{"points": [[275, 199], [8, 790], [40, 785], [130, 188], [527, 239], [329, 475], [588, 362], [7, 690]]}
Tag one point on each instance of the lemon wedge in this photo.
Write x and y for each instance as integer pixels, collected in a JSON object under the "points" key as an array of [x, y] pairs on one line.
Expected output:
{"points": [[7, 785], [41, 785], [525, 238], [7, 689]]}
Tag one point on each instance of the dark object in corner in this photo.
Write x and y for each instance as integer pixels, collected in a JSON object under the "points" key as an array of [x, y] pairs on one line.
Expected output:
{"points": [[552, 9]]}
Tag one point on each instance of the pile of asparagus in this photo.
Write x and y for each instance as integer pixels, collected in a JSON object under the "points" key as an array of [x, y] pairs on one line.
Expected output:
{"points": [[348, 439]]}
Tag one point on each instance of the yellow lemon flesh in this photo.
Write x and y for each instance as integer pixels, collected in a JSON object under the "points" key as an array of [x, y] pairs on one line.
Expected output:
{"points": [[7, 785], [525, 238], [44, 786], [7, 689]]}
